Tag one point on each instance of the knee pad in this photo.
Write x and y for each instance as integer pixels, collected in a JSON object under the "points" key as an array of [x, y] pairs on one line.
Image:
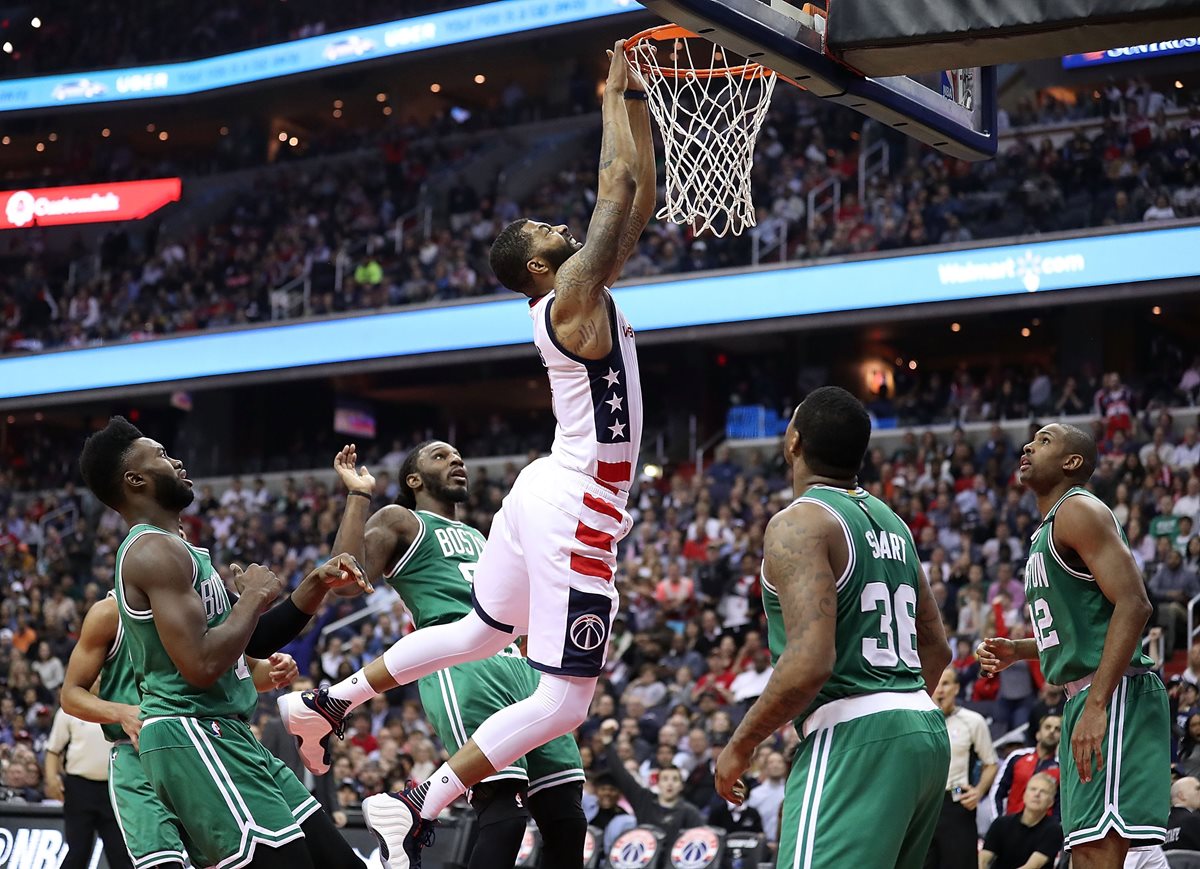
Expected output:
{"points": [[500, 801]]}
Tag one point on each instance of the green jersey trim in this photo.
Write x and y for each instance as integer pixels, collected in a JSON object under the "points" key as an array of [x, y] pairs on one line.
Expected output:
{"points": [[442, 518], [412, 547], [841, 581], [143, 615], [1050, 532], [120, 634]]}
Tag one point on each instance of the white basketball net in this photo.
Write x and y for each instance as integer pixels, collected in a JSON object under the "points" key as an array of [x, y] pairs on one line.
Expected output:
{"points": [[709, 115]]}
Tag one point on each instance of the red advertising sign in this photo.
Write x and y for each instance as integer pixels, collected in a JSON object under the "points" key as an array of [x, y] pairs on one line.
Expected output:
{"points": [[88, 203]]}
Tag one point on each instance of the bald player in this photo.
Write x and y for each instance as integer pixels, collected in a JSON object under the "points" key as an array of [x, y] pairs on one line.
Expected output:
{"points": [[1088, 608]]}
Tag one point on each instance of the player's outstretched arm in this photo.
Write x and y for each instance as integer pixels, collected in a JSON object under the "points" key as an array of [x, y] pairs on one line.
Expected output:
{"points": [[83, 669], [1086, 527], [798, 563], [638, 109], [932, 647], [372, 542], [160, 568], [580, 281]]}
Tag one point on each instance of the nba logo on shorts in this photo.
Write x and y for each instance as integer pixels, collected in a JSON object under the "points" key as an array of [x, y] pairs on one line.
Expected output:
{"points": [[587, 632], [216, 728]]}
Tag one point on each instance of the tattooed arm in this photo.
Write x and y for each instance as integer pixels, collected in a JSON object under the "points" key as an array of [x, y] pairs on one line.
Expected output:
{"points": [[580, 313], [644, 174], [802, 544]]}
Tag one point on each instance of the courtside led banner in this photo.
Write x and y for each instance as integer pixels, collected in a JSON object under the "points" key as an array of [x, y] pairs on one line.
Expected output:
{"points": [[765, 294], [302, 55], [1133, 52], [89, 203]]}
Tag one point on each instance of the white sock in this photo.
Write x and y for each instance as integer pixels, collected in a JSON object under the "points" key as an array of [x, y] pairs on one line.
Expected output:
{"points": [[443, 789], [355, 690]]}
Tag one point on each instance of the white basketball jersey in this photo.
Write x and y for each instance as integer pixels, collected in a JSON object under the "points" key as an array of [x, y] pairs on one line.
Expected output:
{"points": [[597, 402]]}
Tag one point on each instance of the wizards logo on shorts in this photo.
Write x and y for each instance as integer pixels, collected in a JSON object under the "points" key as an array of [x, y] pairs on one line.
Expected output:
{"points": [[697, 848], [634, 849], [585, 633], [588, 632]]}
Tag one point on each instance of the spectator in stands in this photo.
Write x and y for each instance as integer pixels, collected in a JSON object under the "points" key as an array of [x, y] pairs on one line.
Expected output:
{"points": [[750, 683], [1023, 764], [1051, 701], [1019, 692], [767, 796], [666, 809], [1172, 586], [1191, 675], [955, 840], [1189, 746], [1183, 824], [1029, 840]]}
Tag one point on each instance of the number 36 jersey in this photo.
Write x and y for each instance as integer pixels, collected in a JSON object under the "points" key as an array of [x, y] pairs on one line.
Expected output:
{"points": [[1067, 609], [434, 575], [876, 638]]}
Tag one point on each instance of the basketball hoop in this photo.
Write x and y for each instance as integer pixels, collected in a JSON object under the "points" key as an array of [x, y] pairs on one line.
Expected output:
{"points": [[709, 112]]}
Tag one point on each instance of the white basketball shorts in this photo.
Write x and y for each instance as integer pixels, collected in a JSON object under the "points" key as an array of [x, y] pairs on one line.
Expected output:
{"points": [[547, 570]]}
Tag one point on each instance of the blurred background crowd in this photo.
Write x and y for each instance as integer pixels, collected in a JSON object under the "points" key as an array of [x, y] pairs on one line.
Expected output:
{"points": [[687, 651]]}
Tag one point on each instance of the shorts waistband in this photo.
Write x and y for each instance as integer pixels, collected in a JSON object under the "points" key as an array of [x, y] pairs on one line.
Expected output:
{"points": [[155, 719], [1073, 688], [850, 708]]}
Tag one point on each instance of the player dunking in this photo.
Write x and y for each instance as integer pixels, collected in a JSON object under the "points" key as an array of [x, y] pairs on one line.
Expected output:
{"points": [[1088, 606], [430, 558], [858, 646], [547, 569]]}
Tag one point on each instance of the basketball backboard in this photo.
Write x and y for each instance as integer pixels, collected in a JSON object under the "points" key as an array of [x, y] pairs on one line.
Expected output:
{"points": [[954, 111]]}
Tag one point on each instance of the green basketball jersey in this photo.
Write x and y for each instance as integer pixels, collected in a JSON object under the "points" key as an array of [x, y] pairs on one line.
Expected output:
{"points": [[117, 681], [434, 576], [1067, 609], [876, 637], [163, 690]]}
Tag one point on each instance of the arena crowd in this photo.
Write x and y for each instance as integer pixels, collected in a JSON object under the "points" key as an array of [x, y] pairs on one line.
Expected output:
{"points": [[687, 651]]}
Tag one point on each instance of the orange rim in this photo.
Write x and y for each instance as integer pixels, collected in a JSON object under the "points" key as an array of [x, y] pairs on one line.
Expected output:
{"points": [[664, 32]]}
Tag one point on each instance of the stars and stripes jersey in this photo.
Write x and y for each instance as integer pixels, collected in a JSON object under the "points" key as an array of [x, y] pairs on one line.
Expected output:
{"points": [[597, 402]]}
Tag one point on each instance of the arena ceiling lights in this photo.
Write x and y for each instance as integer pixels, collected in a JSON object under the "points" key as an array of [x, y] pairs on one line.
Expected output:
{"points": [[302, 55], [766, 294]]}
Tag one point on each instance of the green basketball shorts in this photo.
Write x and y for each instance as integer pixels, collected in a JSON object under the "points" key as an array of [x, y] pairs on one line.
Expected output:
{"points": [[1131, 794], [152, 834], [229, 793], [866, 791]]}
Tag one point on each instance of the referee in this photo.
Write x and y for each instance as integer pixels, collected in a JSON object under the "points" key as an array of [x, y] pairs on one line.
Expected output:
{"points": [[955, 842], [81, 783]]}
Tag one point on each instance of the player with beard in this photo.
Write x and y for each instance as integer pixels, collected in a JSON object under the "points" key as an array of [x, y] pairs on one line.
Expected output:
{"points": [[236, 803], [547, 571], [429, 557], [1088, 607]]}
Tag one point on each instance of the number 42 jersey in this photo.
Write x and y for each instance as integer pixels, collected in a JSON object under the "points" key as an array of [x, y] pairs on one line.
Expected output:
{"points": [[876, 638], [1067, 609]]}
